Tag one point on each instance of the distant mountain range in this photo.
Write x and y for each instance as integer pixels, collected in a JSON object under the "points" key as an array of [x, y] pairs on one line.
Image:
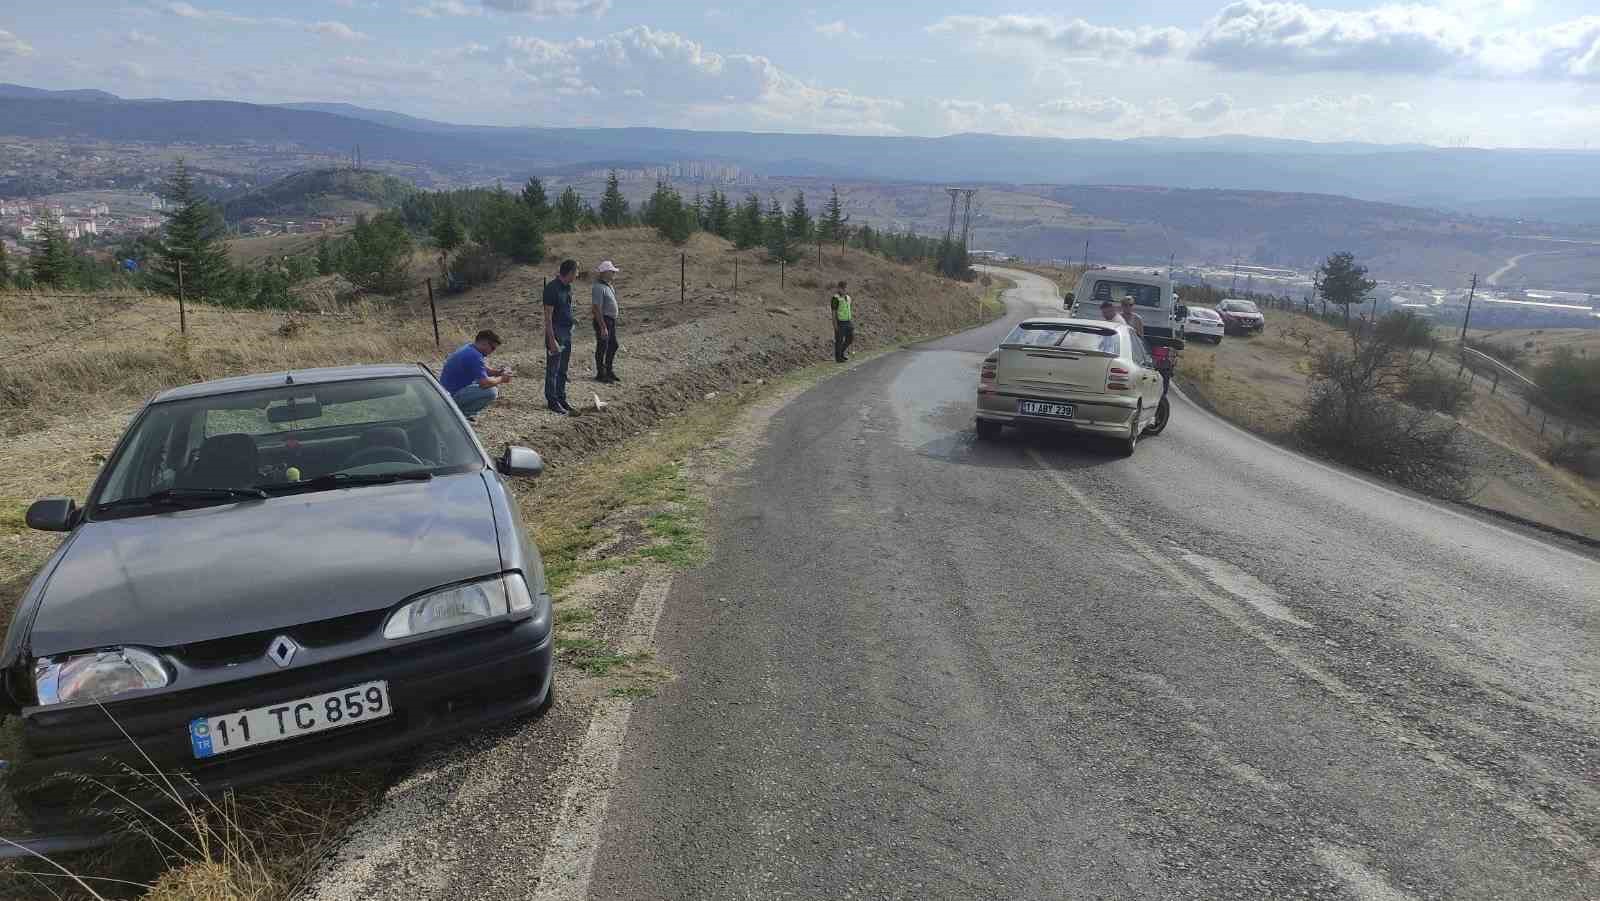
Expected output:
{"points": [[1467, 180]]}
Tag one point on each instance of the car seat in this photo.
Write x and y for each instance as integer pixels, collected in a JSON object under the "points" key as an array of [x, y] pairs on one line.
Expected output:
{"points": [[224, 461]]}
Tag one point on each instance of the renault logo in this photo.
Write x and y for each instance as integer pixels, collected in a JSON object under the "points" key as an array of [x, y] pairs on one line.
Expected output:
{"points": [[282, 650]]}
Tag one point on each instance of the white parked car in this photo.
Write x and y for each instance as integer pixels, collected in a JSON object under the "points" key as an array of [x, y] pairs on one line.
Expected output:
{"points": [[1080, 375], [1203, 322]]}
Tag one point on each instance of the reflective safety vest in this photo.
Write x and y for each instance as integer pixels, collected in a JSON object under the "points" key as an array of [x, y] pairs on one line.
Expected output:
{"points": [[842, 311]]}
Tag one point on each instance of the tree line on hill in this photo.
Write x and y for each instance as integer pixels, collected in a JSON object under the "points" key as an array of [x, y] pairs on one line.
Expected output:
{"points": [[477, 233]]}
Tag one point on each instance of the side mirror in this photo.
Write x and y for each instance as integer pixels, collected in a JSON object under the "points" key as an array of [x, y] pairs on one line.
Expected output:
{"points": [[520, 462], [1182, 311], [53, 514], [1070, 299]]}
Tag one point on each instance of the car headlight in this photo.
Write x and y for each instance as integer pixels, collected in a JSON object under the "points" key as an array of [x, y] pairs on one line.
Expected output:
{"points": [[460, 605], [97, 676]]}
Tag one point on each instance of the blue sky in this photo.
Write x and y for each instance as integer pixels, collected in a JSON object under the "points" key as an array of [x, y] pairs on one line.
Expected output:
{"points": [[1480, 72]]}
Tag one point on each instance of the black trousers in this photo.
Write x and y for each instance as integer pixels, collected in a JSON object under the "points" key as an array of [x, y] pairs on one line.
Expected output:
{"points": [[844, 333], [605, 349]]}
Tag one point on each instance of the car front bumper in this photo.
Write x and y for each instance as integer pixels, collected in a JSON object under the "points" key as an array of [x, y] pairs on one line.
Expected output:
{"points": [[1244, 325], [1101, 415], [443, 687]]}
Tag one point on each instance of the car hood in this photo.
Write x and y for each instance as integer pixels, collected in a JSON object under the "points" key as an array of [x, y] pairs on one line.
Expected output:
{"points": [[195, 575]]}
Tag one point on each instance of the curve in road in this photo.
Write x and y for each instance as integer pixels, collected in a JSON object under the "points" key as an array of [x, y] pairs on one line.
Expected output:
{"points": [[923, 666]]}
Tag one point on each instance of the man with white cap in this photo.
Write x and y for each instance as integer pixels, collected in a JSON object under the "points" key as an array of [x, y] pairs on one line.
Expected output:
{"points": [[605, 322]]}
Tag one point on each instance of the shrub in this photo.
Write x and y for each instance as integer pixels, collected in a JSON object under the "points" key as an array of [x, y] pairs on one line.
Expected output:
{"points": [[1571, 382], [1351, 417], [476, 265], [1405, 329], [1427, 388], [510, 228], [1580, 453]]}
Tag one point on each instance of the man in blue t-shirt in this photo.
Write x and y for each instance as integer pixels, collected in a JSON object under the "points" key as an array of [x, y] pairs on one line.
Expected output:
{"points": [[472, 383]]}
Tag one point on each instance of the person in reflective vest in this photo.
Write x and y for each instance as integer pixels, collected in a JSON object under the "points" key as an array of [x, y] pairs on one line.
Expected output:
{"points": [[844, 328]]}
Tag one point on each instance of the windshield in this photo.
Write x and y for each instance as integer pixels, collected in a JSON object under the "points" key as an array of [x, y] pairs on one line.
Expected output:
{"points": [[284, 437], [1239, 306], [1143, 295], [1065, 337]]}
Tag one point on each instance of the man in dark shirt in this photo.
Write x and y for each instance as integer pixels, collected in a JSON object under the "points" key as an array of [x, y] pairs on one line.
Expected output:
{"points": [[558, 337]]}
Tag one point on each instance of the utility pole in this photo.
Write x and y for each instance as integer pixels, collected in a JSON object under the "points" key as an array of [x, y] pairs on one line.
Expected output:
{"points": [[1471, 292], [950, 224], [183, 317], [1085, 254]]}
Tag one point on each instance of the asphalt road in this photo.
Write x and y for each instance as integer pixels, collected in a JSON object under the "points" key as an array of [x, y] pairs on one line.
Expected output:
{"points": [[921, 666]]}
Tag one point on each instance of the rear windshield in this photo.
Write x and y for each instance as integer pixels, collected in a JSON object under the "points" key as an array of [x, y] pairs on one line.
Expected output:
{"points": [[1202, 313], [1116, 292], [1239, 306], [1066, 337]]}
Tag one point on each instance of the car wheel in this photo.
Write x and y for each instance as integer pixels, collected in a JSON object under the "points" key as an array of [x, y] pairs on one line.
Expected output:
{"points": [[988, 429], [549, 699], [1128, 445]]}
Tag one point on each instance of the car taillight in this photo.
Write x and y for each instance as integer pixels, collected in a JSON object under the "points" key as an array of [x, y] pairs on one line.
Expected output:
{"points": [[986, 376], [1118, 379]]}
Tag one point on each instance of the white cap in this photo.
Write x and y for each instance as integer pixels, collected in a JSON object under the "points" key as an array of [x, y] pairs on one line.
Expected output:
{"points": [[607, 266]]}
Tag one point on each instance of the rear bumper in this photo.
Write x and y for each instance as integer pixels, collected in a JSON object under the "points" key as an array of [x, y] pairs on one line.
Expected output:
{"points": [[446, 687], [1093, 416]]}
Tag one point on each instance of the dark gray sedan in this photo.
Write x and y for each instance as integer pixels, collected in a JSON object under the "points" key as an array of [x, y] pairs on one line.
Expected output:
{"points": [[279, 573]]}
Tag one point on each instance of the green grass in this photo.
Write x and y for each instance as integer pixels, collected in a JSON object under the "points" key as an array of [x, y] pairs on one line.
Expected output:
{"points": [[574, 616], [593, 657]]}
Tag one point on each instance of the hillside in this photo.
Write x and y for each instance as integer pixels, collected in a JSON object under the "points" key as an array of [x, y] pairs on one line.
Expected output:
{"points": [[1451, 177], [320, 192]]}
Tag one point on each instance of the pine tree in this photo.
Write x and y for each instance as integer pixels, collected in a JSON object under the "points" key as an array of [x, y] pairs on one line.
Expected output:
{"points": [[698, 208], [748, 227], [588, 218], [800, 225], [613, 206], [534, 196], [719, 218], [192, 242], [777, 234], [50, 259], [326, 263], [449, 235], [832, 225], [5, 267], [1344, 281], [569, 210]]}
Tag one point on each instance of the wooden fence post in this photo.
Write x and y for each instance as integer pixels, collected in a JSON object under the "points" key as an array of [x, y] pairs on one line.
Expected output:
{"points": [[683, 277], [1496, 387], [783, 273], [433, 312], [735, 276], [183, 316]]}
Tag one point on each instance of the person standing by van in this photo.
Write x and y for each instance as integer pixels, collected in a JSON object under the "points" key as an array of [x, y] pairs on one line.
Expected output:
{"points": [[844, 326], [1133, 319], [605, 322]]}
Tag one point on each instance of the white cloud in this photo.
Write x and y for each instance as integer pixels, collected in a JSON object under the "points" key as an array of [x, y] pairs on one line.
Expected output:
{"points": [[137, 38], [1257, 35], [1097, 109], [837, 29], [549, 9], [1209, 110], [1074, 37], [337, 30], [11, 45], [693, 84], [433, 9], [190, 11]]}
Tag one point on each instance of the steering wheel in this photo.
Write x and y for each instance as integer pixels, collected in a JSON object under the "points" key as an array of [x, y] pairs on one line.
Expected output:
{"points": [[380, 454]]}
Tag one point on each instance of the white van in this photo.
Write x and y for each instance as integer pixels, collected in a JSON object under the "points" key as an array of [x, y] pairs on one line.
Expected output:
{"points": [[1153, 300]]}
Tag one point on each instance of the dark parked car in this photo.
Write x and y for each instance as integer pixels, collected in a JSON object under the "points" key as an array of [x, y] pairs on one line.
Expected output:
{"points": [[279, 573], [1241, 317]]}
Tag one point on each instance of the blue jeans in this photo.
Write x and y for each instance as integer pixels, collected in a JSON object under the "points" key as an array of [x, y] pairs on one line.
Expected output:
{"points": [[555, 370], [473, 400]]}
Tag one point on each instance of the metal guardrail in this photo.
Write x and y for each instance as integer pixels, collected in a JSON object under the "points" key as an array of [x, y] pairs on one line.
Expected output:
{"points": [[1480, 356]]}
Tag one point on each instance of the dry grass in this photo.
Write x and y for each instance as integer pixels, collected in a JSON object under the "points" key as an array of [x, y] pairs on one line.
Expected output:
{"points": [[1262, 383]]}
